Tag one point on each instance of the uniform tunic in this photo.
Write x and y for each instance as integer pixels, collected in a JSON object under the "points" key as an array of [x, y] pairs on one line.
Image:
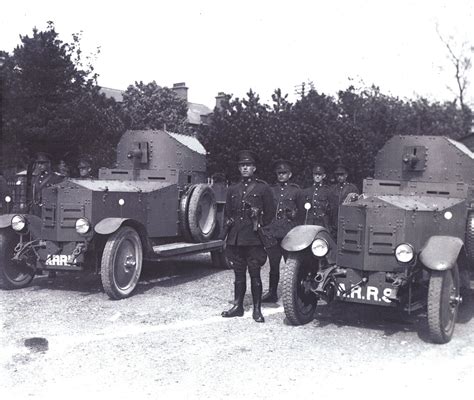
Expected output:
{"points": [[317, 196], [250, 192], [41, 181], [285, 218], [338, 194]]}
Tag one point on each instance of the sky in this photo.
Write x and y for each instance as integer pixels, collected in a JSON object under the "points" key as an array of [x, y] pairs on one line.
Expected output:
{"points": [[233, 46]]}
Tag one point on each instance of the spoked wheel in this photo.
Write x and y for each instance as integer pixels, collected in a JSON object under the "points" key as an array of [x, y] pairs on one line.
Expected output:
{"points": [[121, 264], [443, 303], [13, 275], [299, 302]]}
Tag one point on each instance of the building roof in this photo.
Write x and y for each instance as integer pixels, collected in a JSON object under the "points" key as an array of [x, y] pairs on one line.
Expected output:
{"points": [[195, 110], [115, 94]]}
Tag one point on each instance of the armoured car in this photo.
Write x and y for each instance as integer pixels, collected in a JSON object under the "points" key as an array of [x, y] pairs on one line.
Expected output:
{"points": [[154, 204], [407, 241]]}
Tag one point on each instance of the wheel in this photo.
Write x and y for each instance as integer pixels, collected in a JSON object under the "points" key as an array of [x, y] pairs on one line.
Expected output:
{"points": [[219, 259], [121, 264], [469, 242], [13, 275], [202, 213], [183, 214], [443, 303], [299, 302]]}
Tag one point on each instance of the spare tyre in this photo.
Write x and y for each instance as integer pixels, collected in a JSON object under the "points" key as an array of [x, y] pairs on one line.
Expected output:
{"points": [[469, 242], [183, 214], [202, 213]]}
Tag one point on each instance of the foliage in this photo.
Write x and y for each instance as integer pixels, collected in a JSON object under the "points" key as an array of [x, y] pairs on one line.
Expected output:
{"points": [[148, 106], [52, 103], [349, 129]]}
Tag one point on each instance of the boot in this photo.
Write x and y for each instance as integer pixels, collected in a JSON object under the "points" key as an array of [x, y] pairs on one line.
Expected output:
{"points": [[271, 296], [238, 309], [256, 285]]}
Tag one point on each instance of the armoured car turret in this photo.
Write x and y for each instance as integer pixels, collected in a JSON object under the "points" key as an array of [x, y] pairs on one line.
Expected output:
{"points": [[155, 203], [407, 241]]}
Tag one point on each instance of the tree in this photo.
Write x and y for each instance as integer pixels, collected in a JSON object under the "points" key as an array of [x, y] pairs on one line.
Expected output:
{"points": [[460, 57], [52, 102], [149, 106]]}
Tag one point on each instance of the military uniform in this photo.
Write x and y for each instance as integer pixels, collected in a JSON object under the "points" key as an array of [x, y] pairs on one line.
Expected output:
{"points": [[285, 195], [338, 193], [249, 204], [41, 180], [85, 168], [241, 198], [317, 195], [3, 192]]}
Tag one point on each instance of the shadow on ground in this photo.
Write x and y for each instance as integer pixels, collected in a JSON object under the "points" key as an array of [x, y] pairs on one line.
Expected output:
{"points": [[172, 272], [385, 319]]}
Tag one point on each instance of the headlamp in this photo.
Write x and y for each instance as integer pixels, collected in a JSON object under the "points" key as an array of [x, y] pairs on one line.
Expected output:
{"points": [[320, 247], [18, 223], [404, 253], [82, 226]]}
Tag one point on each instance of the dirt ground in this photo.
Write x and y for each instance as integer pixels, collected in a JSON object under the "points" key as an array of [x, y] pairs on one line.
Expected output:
{"points": [[66, 339]]}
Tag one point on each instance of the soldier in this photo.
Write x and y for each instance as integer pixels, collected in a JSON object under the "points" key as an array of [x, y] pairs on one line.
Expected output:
{"points": [[339, 192], [64, 166], [3, 192], [43, 176], [285, 194], [85, 168], [249, 206], [317, 196]]}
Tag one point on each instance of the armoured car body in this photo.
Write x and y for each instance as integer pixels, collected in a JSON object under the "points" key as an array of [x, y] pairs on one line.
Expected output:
{"points": [[154, 204], [407, 241]]}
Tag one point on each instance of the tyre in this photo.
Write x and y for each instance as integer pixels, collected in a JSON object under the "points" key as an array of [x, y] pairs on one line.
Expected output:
{"points": [[202, 213], [469, 242], [299, 302], [183, 214], [443, 303], [219, 259], [13, 275], [121, 263]]}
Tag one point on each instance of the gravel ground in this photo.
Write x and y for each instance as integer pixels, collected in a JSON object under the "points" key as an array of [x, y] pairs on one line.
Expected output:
{"points": [[66, 339]]}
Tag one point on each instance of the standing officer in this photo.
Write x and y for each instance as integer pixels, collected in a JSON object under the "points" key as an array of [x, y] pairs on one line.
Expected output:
{"points": [[249, 206], [317, 196], [339, 192], [85, 168], [285, 194], [43, 176]]}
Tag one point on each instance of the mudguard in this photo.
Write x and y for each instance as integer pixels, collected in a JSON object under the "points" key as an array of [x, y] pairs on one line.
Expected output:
{"points": [[5, 220], [441, 252], [109, 225], [301, 237]]}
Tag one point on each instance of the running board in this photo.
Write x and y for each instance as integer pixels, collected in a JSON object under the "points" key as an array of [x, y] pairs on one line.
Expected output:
{"points": [[180, 248]]}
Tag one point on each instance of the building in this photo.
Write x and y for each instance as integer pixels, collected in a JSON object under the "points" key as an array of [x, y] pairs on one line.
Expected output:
{"points": [[198, 114]]}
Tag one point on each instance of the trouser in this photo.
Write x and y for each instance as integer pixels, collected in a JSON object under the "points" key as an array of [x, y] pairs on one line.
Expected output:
{"points": [[275, 253], [242, 258]]}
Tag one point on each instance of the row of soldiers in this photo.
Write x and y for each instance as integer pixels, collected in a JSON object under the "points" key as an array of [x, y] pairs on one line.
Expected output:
{"points": [[43, 175], [258, 216]]}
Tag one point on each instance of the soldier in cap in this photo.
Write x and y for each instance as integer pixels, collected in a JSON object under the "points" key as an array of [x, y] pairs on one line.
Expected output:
{"points": [[64, 166], [317, 196], [249, 206], [338, 194], [43, 177], [85, 168], [285, 194]]}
